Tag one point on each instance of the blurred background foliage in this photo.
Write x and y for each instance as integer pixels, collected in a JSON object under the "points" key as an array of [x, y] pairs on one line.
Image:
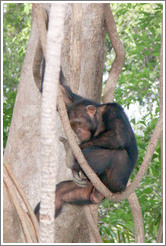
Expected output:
{"points": [[137, 90]]}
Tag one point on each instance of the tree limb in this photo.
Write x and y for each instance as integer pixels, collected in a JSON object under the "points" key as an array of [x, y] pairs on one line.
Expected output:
{"points": [[92, 224], [137, 218], [27, 230], [119, 59], [160, 231], [23, 197], [87, 169]]}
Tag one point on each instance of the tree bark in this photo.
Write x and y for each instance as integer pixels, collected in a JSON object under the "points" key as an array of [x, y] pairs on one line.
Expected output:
{"points": [[49, 134]]}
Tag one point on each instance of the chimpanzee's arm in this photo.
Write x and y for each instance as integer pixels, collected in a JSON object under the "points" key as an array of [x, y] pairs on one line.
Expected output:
{"points": [[99, 159], [114, 138]]}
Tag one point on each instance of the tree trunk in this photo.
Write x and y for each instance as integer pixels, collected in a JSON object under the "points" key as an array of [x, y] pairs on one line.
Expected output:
{"points": [[23, 145], [91, 60], [22, 149]]}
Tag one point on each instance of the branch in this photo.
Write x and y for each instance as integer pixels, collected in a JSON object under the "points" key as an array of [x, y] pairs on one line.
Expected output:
{"points": [[24, 199], [137, 218], [92, 224], [160, 232], [27, 230], [119, 59]]}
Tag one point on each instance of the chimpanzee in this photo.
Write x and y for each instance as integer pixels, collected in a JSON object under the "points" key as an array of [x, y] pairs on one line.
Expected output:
{"points": [[108, 144]]}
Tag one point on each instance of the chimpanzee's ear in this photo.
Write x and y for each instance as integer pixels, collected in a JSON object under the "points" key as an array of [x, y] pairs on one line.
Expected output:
{"points": [[91, 110]]}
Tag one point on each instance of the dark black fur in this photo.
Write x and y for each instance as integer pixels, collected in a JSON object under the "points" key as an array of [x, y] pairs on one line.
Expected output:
{"points": [[112, 154]]}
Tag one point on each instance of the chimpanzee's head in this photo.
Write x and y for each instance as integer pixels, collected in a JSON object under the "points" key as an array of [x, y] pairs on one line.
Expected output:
{"points": [[86, 116], [86, 120]]}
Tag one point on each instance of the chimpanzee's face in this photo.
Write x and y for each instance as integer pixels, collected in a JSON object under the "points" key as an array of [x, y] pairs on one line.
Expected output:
{"points": [[82, 122], [81, 129]]}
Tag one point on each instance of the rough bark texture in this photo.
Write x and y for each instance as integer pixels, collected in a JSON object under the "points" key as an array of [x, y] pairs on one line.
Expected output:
{"points": [[93, 50], [93, 32]]}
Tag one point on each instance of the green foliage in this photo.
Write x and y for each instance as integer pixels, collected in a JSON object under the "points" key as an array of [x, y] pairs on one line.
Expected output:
{"points": [[139, 28], [115, 225], [7, 113], [16, 29]]}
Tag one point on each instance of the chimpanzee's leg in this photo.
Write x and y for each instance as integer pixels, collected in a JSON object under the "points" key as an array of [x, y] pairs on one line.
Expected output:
{"points": [[117, 175], [99, 160], [69, 192], [113, 167]]}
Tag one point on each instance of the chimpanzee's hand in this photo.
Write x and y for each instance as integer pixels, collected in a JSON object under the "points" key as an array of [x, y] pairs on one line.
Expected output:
{"points": [[70, 162]]}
